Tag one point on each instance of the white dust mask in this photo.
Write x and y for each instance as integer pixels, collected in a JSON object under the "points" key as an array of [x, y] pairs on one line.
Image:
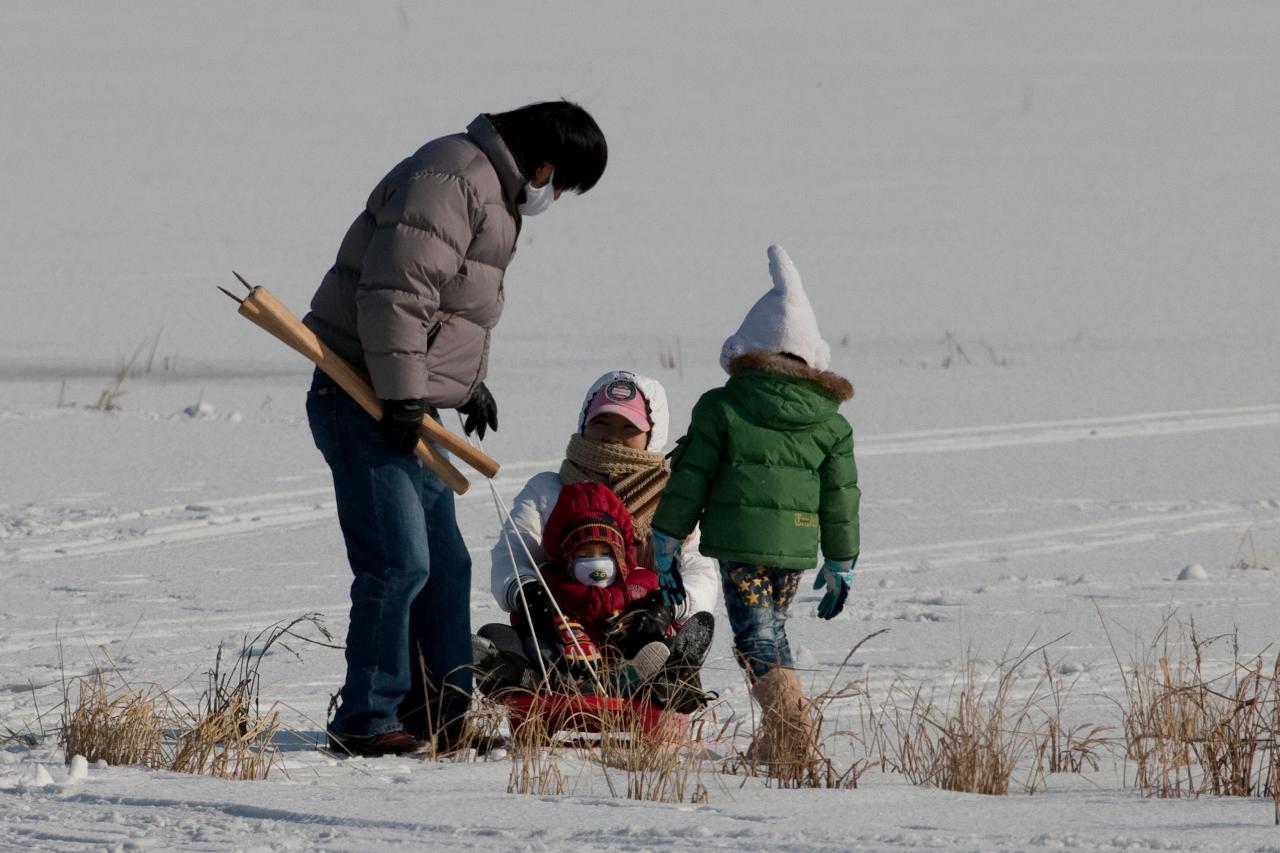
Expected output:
{"points": [[538, 199], [594, 571]]}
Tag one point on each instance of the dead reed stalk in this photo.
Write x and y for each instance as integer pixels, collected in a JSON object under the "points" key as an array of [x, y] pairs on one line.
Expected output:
{"points": [[1068, 749]]}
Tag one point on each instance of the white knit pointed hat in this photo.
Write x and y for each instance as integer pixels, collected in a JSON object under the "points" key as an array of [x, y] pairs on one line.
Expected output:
{"points": [[781, 321]]}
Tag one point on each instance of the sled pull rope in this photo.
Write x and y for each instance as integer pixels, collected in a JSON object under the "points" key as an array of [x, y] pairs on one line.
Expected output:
{"points": [[505, 519]]}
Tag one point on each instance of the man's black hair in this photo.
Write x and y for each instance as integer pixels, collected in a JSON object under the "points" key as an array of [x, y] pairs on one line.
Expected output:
{"points": [[559, 132]]}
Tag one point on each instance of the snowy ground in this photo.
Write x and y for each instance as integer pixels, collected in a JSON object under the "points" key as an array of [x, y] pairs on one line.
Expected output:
{"points": [[1086, 195]]}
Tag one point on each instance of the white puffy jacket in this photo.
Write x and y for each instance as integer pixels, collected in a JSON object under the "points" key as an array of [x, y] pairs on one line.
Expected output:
{"points": [[529, 511]]}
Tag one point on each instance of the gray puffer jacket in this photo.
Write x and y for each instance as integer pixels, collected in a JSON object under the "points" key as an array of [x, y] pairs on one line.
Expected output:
{"points": [[417, 287]]}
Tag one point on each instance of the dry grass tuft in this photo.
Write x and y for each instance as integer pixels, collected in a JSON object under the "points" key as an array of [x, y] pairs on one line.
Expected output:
{"points": [[227, 735], [1192, 729], [228, 741], [535, 765], [109, 399], [981, 733], [661, 762], [118, 725], [970, 742]]}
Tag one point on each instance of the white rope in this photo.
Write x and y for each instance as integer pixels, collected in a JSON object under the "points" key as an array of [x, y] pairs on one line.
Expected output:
{"points": [[505, 520], [524, 604]]}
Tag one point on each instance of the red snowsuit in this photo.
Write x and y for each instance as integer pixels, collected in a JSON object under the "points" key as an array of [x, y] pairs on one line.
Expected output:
{"points": [[583, 505]]}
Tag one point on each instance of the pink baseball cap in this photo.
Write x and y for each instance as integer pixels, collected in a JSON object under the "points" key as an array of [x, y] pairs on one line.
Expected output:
{"points": [[622, 397]]}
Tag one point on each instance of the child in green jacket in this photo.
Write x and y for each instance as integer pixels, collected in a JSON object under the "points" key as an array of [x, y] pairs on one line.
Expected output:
{"points": [[767, 470]]}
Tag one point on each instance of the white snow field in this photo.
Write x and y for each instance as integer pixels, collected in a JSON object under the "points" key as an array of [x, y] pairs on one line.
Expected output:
{"points": [[1083, 197]]}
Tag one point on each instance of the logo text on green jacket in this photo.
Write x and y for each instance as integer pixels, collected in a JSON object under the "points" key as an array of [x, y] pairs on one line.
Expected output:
{"points": [[806, 519]]}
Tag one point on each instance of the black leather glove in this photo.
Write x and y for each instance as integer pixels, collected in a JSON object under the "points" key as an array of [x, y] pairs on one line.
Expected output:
{"points": [[481, 412], [541, 611], [401, 423]]}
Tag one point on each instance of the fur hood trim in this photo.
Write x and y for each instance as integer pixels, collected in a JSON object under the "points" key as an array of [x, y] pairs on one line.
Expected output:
{"points": [[832, 384]]}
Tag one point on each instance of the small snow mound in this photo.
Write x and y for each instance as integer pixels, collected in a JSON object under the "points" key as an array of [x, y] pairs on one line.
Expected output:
{"points": [[235, 417], [202, 410], [1193, 572], [36, 777], [79, 769]]}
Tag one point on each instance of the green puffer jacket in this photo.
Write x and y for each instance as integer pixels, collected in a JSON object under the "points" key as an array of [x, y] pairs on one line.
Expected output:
{"points": [[767, 466]]}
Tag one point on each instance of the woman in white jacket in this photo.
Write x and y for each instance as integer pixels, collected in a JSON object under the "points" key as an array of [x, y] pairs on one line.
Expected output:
{"points": [[622, 428]]}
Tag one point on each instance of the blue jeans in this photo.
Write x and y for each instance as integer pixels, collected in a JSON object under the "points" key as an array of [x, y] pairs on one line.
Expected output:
{"points": [[756, 599], [411, 596]]}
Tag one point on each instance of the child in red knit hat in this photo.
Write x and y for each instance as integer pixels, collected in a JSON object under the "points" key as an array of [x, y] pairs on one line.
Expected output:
{"points": [[593, 576]]}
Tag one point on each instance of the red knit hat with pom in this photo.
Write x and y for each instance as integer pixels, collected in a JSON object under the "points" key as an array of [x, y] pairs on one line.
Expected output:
{"points": [[589, 512]]}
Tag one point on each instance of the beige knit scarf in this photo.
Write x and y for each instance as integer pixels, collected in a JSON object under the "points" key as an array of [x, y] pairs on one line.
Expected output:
{"points": [[636, 476]]}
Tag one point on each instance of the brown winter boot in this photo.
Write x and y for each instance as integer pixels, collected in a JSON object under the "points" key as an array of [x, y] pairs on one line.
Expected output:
{"points": [[786, 738]]}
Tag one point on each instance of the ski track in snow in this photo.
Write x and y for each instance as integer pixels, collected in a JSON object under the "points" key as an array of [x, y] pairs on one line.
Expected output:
{"points": [[79, 532], [1069, 431], [181, 523], [1073, 539]]}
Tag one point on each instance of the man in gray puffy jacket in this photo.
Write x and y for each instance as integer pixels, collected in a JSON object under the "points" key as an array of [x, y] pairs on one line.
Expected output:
{"points": [[412, 300]]}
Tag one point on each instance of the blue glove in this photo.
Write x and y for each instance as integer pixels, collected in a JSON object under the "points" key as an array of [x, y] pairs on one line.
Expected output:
{"points": [[837, 576], [667, 557]]}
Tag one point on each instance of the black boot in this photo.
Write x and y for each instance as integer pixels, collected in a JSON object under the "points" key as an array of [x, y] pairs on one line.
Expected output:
{"points": [[679, 685]]}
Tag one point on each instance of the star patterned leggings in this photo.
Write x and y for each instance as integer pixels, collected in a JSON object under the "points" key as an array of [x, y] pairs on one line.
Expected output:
{"points": [[757, 598]]}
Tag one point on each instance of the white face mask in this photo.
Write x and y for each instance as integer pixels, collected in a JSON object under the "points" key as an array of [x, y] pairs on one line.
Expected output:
{"points": [[538, 199], [594, 571]]}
